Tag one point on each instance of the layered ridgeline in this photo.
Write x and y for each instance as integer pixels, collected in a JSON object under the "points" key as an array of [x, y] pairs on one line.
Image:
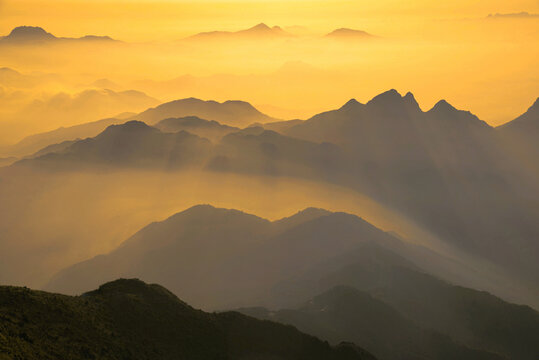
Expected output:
{"points": [[218, 258], [445, 169], [204, 118], [128, 319], [346, 313], [31, 35]]}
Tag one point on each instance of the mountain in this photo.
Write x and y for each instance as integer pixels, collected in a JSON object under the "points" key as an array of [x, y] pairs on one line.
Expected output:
{"points": [[349, 34], [243, 259], [231, 113], [346, 313], [235, 257], [130, 319], [33, 143], [445, 168], [223, 259], [133, 144], [35, 34], [209, 129], [279, 126], [521, 136], [66, 110], [259, 151], [259, 31], [527, 122], [474, 318]]}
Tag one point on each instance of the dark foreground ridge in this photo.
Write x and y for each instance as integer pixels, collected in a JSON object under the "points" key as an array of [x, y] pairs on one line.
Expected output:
{"points": [[128, 319]]}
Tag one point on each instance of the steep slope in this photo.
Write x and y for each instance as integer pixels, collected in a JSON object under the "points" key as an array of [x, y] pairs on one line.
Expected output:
{"points": [[521, 134], [346, 313], [130, 319], [232, 113]]}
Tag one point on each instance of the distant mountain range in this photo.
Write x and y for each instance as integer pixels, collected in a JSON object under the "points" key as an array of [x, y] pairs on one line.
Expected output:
{"points": [[35, 34], [128, 319], [258, 31], [345, 33], [444, 168], [185, 114], [263, 31], [346, 313], [394, 309], [232, 113], [210, 129]]}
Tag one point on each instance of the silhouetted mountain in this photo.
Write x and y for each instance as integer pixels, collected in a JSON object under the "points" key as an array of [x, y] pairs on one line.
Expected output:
{"points": [[520, 136], [259, 151], [28, 33], [55, 148], [66, 110], [232, 113], [38, 142], [235, 257], [527, 122], [133, 144], [130, 319], [350, 34], [474, 318], [346, 313], [243, 259], [279, 126], [204, 128], [222, 258], [259, 31], [35, 34], [445, 168]]}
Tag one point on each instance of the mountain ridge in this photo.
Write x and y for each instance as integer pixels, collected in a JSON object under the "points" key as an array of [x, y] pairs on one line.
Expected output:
{"points": [[128, 318], [35, 34]]}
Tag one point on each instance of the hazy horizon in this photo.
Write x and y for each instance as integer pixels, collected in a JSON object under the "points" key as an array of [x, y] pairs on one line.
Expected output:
{"points": [[332, 180]]}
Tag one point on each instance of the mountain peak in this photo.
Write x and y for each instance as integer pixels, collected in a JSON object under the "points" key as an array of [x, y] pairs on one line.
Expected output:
{"points": [[204, 211], [386, 98], [261, 26], [29, 33], [129, 286], [351, 104], [395, 103], [410, 100], [443, 106]]}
